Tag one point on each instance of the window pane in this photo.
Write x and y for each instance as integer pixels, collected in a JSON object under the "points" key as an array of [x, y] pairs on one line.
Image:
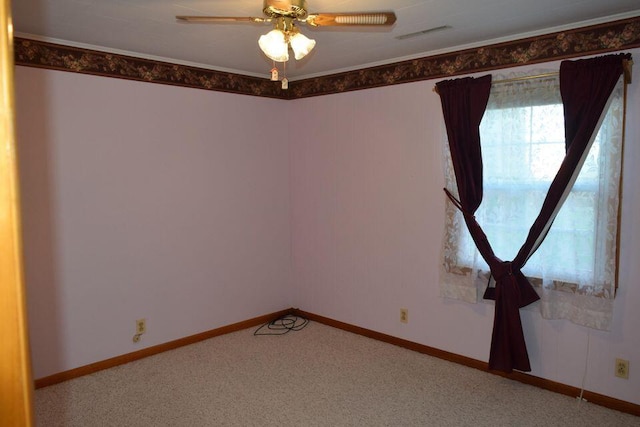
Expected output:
{"points": [[522, 149]]}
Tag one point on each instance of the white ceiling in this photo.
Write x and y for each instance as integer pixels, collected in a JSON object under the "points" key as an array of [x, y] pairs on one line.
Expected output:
{"points": [[148, 28]]}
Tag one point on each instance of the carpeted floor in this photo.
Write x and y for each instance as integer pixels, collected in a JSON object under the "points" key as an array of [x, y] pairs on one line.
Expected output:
{"points": [[318, 376]]}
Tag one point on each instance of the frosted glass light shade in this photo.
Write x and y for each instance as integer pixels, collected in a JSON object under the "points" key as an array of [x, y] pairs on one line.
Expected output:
{"points": [[274, 45], [301, 45]]}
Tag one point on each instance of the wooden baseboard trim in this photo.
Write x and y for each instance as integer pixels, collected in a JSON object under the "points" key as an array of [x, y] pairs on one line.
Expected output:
{"points": [[598, 399], [150, 351]]}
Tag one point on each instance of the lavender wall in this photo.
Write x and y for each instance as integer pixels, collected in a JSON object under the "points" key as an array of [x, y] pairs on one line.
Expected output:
{"points": [[143, 200], [146, 201], [367, 223]]}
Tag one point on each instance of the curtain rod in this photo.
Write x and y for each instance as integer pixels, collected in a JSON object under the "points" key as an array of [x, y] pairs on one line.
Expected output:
{"points": [[627, 64], [515, 79], [535, 76]]}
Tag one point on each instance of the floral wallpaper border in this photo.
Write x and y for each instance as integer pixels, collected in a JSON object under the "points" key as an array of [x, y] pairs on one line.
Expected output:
{"points": [[41, 54], [608, 37]]}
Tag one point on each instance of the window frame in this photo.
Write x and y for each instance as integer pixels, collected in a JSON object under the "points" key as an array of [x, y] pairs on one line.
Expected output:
{"points": [[451, 264]]}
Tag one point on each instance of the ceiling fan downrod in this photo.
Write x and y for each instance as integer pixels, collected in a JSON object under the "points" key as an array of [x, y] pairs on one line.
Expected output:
{"points": [[296, 9]]}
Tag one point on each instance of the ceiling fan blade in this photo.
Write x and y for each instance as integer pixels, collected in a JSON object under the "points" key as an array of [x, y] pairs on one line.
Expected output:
{"points": [[341, 19], [214, 19]]}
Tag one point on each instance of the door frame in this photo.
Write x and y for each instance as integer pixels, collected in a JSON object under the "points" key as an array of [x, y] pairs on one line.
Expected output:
{"points": [[16, 384]]}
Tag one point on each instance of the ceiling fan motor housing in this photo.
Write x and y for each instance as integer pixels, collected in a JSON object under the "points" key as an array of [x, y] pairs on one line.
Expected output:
{"points": [[288, 8]]}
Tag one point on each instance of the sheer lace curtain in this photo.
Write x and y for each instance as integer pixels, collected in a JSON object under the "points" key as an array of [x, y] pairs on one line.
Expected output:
{"points": [[574, 271]]}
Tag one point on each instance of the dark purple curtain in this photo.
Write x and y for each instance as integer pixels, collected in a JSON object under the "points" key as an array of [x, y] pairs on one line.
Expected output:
{"points": [[586, 86]]}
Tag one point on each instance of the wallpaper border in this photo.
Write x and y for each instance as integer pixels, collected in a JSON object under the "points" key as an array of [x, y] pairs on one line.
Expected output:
{"points": [[40, 54], [608, 37]]}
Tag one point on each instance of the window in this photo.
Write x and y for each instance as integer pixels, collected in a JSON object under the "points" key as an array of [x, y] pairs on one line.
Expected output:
{"points": [[574, 269]]}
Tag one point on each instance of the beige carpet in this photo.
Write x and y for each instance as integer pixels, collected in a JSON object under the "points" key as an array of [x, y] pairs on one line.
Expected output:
{"points": [[318, 376]]}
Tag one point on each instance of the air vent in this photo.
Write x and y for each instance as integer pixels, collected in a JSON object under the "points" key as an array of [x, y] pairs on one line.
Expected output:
{"points": [[423, 32]]}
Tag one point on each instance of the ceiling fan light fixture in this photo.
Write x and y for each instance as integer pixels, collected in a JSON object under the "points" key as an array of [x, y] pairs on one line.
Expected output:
{"points": [[284, 14], [301, 45], [274, 45]]}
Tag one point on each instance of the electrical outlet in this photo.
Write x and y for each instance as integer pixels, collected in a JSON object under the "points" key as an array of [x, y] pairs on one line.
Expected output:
{"points": [[622, 368], [141, 326], [404, 315]]}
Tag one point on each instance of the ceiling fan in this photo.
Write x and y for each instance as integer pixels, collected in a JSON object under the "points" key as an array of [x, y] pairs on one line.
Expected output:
{"points": [[285, 14]]}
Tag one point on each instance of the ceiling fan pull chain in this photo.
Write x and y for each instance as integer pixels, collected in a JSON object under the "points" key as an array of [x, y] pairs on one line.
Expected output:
{"points": [[285, 81], [274, 73]]}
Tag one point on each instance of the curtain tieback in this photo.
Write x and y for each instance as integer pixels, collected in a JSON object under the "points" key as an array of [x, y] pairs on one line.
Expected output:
{"points": [[502, 270]]}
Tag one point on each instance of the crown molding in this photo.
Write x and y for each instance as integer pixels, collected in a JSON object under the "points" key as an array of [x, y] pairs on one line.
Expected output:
{"points": [[594, 39]]}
